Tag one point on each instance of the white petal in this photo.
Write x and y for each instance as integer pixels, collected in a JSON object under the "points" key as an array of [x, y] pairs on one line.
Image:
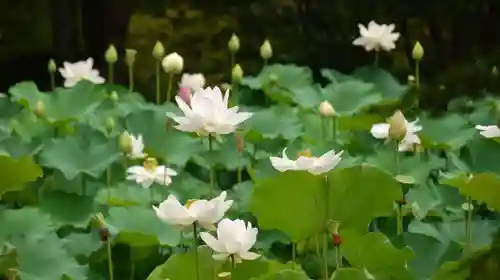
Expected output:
{"points": [[282, 164], [220, 257], [305, 163], [490, 131], [248, 255], [380, 130], [212, 242]]}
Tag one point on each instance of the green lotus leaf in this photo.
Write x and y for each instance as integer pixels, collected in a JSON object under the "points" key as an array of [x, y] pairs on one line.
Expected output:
{"points": [[349, 274], [287, 274], [351, 97], [274, 122], [17, 172], [139, 226], [449, 132], [375, 252], [68, 208], [383, 81], [74, 156], [483, 187]]}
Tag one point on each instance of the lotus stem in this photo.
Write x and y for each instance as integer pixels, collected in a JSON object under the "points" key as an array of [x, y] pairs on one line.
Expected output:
{"points": [[417, 81], [334, 128], [338, 257], [399, 210], [376, 62], [108, 182], [110, 260], [52, 80], [294, 255], [468, 225], [110, 73], [196, 258], [169, 89], [131, 78], [325, 255], [158, 89], [233, 265], [212, 167], [325, 236]]}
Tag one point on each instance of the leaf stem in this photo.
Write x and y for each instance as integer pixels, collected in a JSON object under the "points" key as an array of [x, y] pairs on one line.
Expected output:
{"points": [[468, 225], [197, 257], [110, 260], [158, 98]]}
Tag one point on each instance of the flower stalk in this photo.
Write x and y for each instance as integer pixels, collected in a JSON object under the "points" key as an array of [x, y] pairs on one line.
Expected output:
{"points": [[110, 261], [468, 208], [399, 209], [197, 257], [212, 167], [52, 67], [169, 86]]}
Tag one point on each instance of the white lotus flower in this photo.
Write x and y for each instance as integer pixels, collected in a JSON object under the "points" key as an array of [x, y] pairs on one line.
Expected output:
{"points": [[381, 131], [194, 82], [377, 37], [81, 70], [208, 113], [313, 165], [233, 238], [204, 212], [489, 131], [150, 173]]}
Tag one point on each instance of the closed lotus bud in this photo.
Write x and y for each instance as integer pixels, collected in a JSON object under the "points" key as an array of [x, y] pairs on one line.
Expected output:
{"points": [[273, 78], [411, 80], [52, 67], [494, 71], [130, 55], [111, 55], [159, 51], [234, 44], [266, 51], [418, 51], [326, 109], [237, 73], [125, 143], [113, 96], [110, 124], [98, 220], [173, 63], [40, 108], [397, 126]]}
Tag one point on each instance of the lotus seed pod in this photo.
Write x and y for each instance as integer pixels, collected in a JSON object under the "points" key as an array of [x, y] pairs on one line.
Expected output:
{"points": [[266, 50], [173, 63], [40, 108], [397, 126], [125, 143], [111, 55], [52, 67], [237, 73], [130, 55], [234, 44], [418, 51], [159, 51], [326, 109]]}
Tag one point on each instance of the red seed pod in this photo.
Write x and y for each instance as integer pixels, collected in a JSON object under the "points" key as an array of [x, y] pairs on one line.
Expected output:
{"points": [[337, 240], [402, 202], [104, 234]]}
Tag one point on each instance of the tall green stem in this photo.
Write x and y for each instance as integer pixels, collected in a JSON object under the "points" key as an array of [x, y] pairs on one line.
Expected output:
{"points": [[399, 211], [131, 78], [212, 167], [158, 91], [376, 62], [169, 89], [110, 73], [52, 80], [325, 255], [338, 257], [108, 182], [326, 233], [195, 243], [294, 255], [334, 128], [110, 261], [417, 81], [233, 265], [468, 225]]}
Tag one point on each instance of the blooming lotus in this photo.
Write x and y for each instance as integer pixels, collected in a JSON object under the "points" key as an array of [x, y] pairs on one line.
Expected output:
{"points": [[204, 212], [150, 173], [234, 238], [489, 131], [313, 165], [81, 70], [400, 125], [208, 113], [377, 37]]}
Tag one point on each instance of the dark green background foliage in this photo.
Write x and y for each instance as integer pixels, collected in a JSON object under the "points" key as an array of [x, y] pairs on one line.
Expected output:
{"points": [[462, 43]]}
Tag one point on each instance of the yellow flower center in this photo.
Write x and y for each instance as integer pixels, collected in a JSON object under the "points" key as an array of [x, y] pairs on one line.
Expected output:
{"points": [[306, 153], [150, 164], [189, 203]]}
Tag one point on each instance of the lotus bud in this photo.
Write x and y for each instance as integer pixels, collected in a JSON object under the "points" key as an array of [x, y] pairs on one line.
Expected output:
{"points": [[397, 126], [99, 220], [111, 55], [173, 63], [411, 80], [110, 124], [326, 109], [185, 94], [113, 96], [494, 71], [225, 275], [130, 55], [40, 108], [234, 44], [266, 51], [159, 51], [418, 52], [125, 143], [467, 207], [237, 73], [52, 67], [273, 78]]}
